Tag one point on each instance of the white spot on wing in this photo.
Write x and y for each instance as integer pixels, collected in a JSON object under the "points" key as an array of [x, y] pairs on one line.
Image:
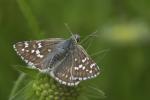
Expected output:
{"points": [[22, 49], [83, 68], [80, 78], [66, 76], [76, 68], [32, 51], [41, 56], [39, 45], [69, 84], [27, 50], [80, 66], [30, 63], [72, 84], [90, 71], [76, 83], [92, 65], [37, 52], [26, 61], [83, 60], [75, 59], [49, 50], [22, 58], [14, 46], [26, 44], [84, 78], [63, 82]]}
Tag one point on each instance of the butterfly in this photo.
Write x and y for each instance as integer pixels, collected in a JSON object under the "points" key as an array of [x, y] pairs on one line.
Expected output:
{"points": [[64, 60]]}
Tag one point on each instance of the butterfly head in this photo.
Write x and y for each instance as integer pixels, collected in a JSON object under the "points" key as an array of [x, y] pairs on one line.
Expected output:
{"points": [[76, 38]]}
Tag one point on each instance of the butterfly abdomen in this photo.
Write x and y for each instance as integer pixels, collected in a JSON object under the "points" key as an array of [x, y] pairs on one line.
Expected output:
{"points": [[60, 52]]}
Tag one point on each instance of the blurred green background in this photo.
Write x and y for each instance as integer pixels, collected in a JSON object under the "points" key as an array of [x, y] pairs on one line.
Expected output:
{"points": [[123, 28]]}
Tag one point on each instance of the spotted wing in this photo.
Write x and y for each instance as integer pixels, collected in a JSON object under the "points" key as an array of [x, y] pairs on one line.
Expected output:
{"points": [[33, 52], [63, 72], [84, 66], [76, 66]]}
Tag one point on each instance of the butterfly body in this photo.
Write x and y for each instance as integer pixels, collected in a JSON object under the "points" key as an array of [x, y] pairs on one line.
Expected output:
{"points": [[61, 50], [64, 60]]}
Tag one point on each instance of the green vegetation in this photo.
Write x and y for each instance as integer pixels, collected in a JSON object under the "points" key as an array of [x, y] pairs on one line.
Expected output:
{"points": [[123, 34]]}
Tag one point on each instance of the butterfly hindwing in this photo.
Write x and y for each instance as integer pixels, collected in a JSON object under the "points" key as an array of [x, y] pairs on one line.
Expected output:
{"points": [[63, 72], [33, 52]]}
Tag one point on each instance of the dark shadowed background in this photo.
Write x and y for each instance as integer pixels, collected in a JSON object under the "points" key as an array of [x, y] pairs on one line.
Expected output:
{"points": [[123, 34]]}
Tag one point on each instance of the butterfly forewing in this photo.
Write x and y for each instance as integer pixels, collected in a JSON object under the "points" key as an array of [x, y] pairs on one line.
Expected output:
{"points": [[84, 67], [33, 52]]}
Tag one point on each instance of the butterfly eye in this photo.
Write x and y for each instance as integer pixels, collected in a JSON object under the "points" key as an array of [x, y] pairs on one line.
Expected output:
{"points": [[77, 37]]}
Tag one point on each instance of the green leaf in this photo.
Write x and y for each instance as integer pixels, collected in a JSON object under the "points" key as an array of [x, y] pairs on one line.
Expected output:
{"points": [[83, 97], [29, 71], [93, 92], [31, 18], [28, 14], [25, 93]]}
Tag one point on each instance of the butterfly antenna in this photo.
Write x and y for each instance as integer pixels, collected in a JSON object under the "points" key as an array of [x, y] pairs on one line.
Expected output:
{"points": [[100, 52], [68, 28], [92, 34]]}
